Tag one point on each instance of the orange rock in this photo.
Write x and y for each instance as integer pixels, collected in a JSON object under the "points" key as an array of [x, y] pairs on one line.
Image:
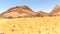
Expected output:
{"points": [[56, 10], [19, 11], [41, 13]]}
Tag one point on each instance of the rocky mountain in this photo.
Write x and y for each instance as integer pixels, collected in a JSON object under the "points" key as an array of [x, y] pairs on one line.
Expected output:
{"points": [[25, 11], [19, 11], [56, 10], [41, 13]]}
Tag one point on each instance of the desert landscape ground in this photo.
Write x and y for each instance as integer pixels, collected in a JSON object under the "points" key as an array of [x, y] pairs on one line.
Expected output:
{"points": [[38, 25], [23, 20]]}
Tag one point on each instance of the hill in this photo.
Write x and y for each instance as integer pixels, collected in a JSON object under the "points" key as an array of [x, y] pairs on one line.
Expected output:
{"points": [[25, 11], [41, 13], [56, 10], [18, 11]]}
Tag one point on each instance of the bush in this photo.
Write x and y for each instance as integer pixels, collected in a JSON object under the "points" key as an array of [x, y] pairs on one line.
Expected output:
{"points": [[38, 15], [50, 15], [9, 17], [42, 16]]}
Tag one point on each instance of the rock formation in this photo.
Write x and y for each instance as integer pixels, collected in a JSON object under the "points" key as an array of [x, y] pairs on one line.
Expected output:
{"points": [[56, 10], [41, 13], [25, 11], [19, 11]]}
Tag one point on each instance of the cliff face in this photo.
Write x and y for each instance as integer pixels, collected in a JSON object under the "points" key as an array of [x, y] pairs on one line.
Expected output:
{"points": [[56, 10], [19, 11]]}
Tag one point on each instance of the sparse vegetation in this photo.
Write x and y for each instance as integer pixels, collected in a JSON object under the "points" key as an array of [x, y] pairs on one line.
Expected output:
{"points": [[36, 25]]}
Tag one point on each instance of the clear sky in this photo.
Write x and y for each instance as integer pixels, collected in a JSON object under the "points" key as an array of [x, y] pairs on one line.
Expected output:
{"points": [[35, 5]]}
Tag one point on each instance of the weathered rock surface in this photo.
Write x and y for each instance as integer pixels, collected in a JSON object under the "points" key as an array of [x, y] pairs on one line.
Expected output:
{"points": [[41, 13], [25, 11], [19, 11], [56, 10]]}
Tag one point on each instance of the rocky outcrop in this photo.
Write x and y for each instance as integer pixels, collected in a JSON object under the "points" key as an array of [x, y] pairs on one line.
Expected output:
{"points": [[55, 11], [25, 11], [19, 11], [41, 13]]}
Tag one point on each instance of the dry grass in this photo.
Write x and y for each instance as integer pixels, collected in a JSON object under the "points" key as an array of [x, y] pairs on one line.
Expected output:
{"points": [[38, 25]]}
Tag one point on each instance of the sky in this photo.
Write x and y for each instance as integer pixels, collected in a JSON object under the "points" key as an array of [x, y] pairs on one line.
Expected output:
{"points": [[35, 5]]}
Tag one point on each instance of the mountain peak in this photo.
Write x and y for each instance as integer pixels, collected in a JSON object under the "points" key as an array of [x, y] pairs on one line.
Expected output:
{"points": [[56, 9], [18, 11], [23, 7], [20, 7], [41, 11]]}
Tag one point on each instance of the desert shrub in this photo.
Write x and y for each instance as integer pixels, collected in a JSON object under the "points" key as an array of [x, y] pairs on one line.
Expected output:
{"points": [[19, 17], [8, 17], [1, 16], [42, 16], [37, 15], [50, 15], [55, 15]]}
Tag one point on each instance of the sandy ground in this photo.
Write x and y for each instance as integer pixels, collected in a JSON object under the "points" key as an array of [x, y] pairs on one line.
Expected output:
{"points": [[38, 25]]}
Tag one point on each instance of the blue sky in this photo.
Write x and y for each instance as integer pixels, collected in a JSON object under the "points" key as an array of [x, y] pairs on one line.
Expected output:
{"points": [[35, 5]]}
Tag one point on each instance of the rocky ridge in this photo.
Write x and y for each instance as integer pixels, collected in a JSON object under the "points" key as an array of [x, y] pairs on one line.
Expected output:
{"points": [[25, 11]]}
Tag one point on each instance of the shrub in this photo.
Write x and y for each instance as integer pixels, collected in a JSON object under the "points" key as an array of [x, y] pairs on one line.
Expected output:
{"points": [[9, 17]]}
